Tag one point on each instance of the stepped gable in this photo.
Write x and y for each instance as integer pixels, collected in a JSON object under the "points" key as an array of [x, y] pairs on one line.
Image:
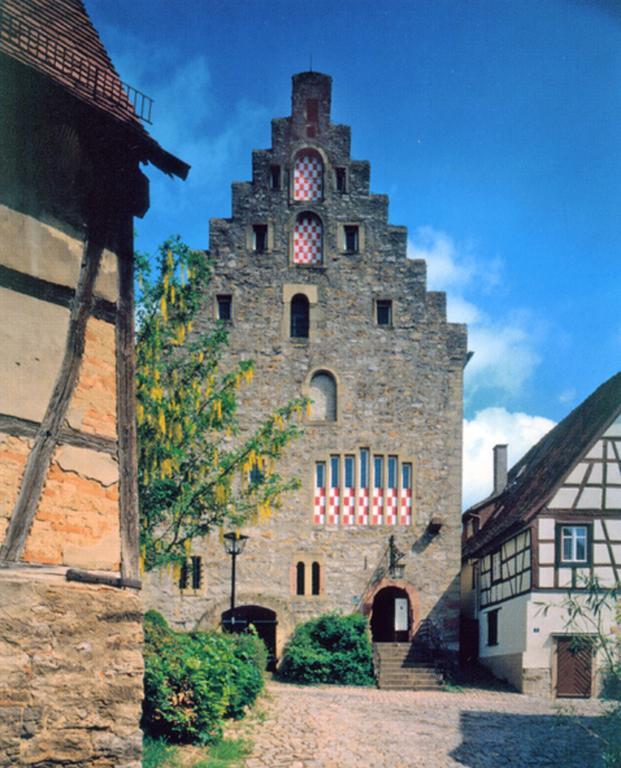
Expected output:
{"points": [[535, 478]]}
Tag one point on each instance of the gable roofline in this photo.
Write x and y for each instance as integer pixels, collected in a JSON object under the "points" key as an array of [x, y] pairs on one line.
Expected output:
{"points": [[57, 40], [536, 477]]}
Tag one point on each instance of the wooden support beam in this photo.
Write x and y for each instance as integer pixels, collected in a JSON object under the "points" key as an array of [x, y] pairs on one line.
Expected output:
{"points": [[62, 295], [13, 425], [88, 577], [126, 406], [47, 436]]}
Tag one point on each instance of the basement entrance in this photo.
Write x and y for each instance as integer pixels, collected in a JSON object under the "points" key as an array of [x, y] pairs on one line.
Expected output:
{"points": [[390, 616], [264, 621]]}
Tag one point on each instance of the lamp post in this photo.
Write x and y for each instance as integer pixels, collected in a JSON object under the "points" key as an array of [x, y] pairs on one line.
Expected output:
{"points": [[395, 567], [234, 544]]}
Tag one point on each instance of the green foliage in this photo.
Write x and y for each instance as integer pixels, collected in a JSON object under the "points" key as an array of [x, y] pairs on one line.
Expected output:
{"points": [[330, 649], [193, 681], [157, 753], [228, 752], [193, 471]]}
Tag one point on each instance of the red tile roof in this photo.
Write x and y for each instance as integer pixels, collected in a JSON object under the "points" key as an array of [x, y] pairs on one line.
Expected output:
{"points": [[57, 39], [535, 478]]}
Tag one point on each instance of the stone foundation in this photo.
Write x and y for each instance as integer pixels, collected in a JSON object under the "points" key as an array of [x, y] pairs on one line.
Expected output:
{"points": [[71, 673]]}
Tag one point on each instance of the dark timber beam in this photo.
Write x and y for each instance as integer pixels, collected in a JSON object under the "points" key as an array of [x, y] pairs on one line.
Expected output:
{"points": [[13, 425], [47, 435]]}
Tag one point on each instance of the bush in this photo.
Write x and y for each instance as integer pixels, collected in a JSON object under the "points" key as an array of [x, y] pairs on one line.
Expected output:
{"points": [[192, 681], [330, 649]]}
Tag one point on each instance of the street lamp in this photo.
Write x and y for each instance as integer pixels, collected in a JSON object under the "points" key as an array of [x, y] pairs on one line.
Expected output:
{"points": [[395, 567], [234, 544]]}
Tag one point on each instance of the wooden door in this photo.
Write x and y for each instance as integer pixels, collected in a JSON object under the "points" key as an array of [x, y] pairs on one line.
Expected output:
{"points": [[574, 667]]}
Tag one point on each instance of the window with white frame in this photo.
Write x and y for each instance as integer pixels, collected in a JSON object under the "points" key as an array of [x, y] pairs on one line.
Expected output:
{"points": [[573, 544]]}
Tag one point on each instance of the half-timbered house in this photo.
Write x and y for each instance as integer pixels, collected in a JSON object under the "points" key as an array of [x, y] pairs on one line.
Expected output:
{"points": [[552, 524], [70, 185]]}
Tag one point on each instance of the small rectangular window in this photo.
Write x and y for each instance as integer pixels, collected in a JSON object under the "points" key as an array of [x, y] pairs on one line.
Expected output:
{"points": [[349, 471], [183, 575], [378, 471], [392, 471], [334, 471], [352, 244], [573, 544], [312, 110], [275, 176], [384, 311], [341, 180], [492, 627], [197, 573], [259, 238], [406, 476], [225, 305], [320, 475], [364, 468]]}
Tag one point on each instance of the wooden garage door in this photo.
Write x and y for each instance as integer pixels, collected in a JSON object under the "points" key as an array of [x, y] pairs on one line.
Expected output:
{"points": [[574, 672]]}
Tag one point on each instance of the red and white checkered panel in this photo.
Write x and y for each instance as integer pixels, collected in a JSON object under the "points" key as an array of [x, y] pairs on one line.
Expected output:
{"points": [[405, 507], [307, 240], [376, 506], [319, 516], [391, 507], [347, 513], [334, 502], [307, 178], [362, 513]]}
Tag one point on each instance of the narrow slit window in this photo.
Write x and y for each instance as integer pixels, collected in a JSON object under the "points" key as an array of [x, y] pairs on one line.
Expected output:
{"points": [[319, 511], [183, 575], [299, 578], [405, 505], [341, 180], [315, 578], [352, 241], [225, 307], [364, 468], [349, 503], [259, 238], [378, 472], [384, 311], [334, 471], [492, 627], [197, 572], [362, 508], [392, 472], [275, 176], [300, 320]]}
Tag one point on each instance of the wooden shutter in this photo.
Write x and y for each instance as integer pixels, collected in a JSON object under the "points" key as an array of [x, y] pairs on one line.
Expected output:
{"points": [[574, 668]]}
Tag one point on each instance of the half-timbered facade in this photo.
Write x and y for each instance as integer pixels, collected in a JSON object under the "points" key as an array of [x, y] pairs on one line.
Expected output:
{"points": [[552, 526], [70, 185]]}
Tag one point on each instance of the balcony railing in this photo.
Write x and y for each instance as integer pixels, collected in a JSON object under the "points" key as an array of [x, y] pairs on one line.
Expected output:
{"points": [[100, 84]]}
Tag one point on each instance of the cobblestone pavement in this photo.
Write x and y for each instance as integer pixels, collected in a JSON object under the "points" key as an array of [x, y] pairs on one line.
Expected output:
{"points": [[342, 727]]}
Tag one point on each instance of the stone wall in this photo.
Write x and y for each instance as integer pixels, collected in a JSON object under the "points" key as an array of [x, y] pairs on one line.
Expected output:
{"points": [[399, 388], [70, 674]]}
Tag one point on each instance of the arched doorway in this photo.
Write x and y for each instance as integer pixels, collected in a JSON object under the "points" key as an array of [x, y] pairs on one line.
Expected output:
{"points": [[390, 616], [264, 621]]}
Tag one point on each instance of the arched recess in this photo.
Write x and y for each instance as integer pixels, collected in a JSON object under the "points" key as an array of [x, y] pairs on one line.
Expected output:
{"points": [[308, 240], [322, 391], [300, 316], [401, 589], [308, 176], [264, 621]]}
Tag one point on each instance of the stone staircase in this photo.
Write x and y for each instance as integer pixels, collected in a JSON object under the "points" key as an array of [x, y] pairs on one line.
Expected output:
{"points": [[405, 666]]}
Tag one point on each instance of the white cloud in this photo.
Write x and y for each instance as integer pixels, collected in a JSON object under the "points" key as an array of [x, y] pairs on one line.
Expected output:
{"points": [[505, 355], [488, 428]]}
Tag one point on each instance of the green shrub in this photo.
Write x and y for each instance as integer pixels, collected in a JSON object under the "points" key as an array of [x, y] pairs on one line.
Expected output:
{"points": [[192, 681], [330, 649]]}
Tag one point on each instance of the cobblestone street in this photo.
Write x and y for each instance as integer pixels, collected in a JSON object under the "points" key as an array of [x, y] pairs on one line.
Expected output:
{"points": [[339, 727]]}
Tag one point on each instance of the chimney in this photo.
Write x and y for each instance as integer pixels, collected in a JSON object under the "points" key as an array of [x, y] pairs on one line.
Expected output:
{"points": [[500, 468]]}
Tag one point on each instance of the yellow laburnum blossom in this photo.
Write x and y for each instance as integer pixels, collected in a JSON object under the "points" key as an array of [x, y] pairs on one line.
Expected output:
{"points": [[248, 375], [162, 422], [140, 413], [170, 262], [164, 308], [166, 469], [172, 294], [220, 493], [308, 409], [178, 431]]}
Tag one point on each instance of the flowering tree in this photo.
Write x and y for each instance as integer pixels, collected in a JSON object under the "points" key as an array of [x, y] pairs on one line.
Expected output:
{"points": [[194, 472]]}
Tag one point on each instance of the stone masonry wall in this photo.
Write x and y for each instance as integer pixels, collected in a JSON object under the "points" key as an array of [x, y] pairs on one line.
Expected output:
{"points": [[70, 675], [399, 389]]}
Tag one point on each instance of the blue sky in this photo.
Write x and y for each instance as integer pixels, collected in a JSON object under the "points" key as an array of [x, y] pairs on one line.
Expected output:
{"points": [[494, 126]]}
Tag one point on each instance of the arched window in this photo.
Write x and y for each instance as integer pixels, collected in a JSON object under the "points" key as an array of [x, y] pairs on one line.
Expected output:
{"points": [[307, 240], [315, 580], [323, 395], [299, 316], [308, 176], [299, 578]]}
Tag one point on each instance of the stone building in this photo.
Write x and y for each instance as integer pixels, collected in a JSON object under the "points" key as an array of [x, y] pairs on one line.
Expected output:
{"points": [[70, 184], [315, 286]]}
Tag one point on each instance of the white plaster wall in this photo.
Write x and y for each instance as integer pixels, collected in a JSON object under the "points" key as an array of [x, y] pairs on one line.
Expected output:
{"points": [[511, 628], [546, 617]]}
